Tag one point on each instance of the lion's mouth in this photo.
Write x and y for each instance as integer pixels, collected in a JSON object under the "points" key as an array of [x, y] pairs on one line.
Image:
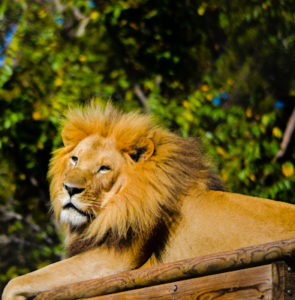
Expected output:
{"points": [[70, 205]]}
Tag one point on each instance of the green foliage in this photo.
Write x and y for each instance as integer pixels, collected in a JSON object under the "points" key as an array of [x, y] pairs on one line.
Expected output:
{"points": [[242, 143], [212, 69]]}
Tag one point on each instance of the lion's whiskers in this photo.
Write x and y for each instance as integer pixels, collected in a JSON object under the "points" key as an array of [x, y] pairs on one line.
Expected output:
{"points": [[95, 205], [94, 213], [90, 207]]}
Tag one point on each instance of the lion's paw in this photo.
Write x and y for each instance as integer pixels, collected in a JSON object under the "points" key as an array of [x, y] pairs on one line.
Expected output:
{"points": [[12, 291]]}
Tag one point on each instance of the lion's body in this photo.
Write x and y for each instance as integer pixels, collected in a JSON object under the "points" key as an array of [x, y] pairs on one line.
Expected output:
{"points": [[217, 221], [130, 195]]}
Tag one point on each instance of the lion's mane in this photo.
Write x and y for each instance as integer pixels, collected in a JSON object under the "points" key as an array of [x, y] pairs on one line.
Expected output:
{"points": [[152, 202]]}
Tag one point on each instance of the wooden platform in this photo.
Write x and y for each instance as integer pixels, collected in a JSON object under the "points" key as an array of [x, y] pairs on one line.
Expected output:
{"points": [[259, 272]]}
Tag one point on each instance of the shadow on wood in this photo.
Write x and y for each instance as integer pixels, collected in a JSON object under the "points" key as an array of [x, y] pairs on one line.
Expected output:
{"points": [[256, 272]]}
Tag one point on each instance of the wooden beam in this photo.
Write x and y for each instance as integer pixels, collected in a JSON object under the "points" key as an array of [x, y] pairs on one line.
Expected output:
{"points": [[252, 283], [184, 269]]}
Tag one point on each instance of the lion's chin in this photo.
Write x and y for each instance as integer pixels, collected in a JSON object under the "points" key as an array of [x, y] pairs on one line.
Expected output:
{"points": [[73, 217]]}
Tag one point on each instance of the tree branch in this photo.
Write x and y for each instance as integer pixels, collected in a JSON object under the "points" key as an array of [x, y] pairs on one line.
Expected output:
{"points": [[141, 96], [287, 135], [82, 26], [60, 7]]}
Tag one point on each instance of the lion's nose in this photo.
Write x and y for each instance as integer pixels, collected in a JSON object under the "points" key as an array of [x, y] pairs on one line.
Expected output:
{"points": [[72, 190]]}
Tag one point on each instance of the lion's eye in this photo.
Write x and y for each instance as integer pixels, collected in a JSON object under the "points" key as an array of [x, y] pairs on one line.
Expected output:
{"points": [[104, 169], [74, 160]]}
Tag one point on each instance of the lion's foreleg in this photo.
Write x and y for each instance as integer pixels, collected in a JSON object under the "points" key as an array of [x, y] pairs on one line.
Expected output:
{"points": [[88, 265]]}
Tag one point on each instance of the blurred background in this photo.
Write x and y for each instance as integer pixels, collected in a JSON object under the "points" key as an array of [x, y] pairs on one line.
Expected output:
{"points": [[220, 70]]}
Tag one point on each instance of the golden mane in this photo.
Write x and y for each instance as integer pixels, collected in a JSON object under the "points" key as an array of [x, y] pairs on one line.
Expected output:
{"points": [[155, 187]]}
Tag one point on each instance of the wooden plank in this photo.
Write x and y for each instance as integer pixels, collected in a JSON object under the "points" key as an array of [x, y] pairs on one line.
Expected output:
{"points": [[283, 281], [289, 282], [278, 280], [254, 283], [184, 269]]}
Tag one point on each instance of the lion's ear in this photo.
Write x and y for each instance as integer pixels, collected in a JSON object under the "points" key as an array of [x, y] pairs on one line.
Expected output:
{"points": [[143, 150]]}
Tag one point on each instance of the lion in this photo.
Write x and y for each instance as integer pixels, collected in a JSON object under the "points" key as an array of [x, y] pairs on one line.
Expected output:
{"points": [[130, 194]]}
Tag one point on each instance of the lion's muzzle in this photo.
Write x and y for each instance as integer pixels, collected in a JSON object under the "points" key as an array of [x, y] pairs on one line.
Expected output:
{"points": [[70, 205], [71, 211]]}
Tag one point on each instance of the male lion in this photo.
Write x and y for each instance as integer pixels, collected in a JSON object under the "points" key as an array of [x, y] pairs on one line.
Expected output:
{"points": [[130, 194]]}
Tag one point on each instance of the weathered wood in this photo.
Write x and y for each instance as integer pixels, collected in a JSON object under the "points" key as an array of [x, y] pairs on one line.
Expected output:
{"points": [[194, 267], [278, 281], [289, 282], [283, 281], [254, 283]]}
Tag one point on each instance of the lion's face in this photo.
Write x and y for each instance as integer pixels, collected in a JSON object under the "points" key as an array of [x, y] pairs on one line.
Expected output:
{"points": [[94, 172]]}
